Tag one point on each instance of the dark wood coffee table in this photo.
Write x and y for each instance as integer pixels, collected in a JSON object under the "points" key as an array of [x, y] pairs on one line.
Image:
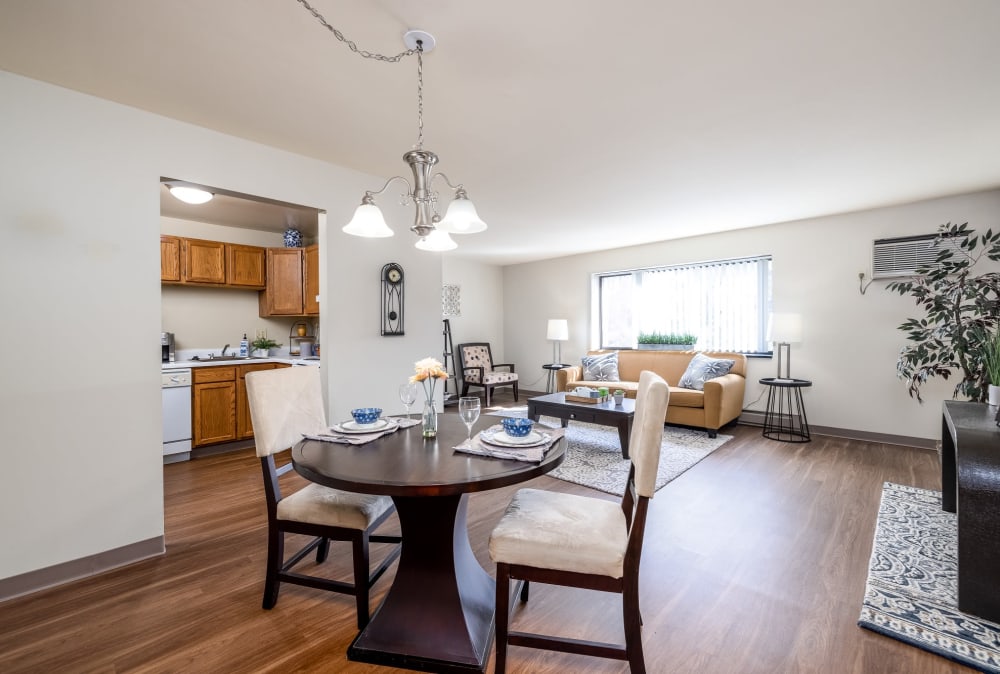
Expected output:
{"points": [[603, 414]]}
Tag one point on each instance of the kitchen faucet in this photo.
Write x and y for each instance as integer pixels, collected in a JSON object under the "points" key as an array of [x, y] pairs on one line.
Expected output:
{"points": [[223, 354]]}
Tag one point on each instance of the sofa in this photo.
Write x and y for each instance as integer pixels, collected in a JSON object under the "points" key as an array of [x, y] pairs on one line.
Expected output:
{"points": [[720, 402]]}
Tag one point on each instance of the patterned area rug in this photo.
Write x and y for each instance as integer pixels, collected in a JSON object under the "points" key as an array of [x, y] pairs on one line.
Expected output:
{"points": [[912, 589], [595, 458]]}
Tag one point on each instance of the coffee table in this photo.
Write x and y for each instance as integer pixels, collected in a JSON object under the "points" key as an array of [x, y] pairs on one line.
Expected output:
{"points": [[602, 414]]}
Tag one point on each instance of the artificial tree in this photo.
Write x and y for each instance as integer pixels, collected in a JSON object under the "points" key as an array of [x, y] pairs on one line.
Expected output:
{"points": [[960, 310]]}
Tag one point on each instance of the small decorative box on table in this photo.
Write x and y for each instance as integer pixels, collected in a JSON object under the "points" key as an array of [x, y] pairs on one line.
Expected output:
{"points": [[594, 399]]}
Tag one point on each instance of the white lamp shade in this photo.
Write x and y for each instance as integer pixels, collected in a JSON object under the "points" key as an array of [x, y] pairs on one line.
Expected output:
{"points": [[438, 240], [368, 222], [190, 195], [785, 328], [461, 218], [558, 329]]}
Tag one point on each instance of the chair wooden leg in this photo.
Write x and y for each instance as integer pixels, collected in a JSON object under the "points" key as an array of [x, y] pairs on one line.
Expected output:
{"points": [[489, 389], [360, 545], [502, 617], [633, 629], [524, 591], [275, 556], [322, 550], [515, 391], [465, 389]]}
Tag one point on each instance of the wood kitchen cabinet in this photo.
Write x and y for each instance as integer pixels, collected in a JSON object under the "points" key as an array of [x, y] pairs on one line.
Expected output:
{"points": [[214, 405], [292, 282], [218, 264], [170, 259], [219, 397]]}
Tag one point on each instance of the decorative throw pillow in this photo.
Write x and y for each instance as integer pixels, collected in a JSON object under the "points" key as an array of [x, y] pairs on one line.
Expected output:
{"points": [[702, 368], [602, 367]]}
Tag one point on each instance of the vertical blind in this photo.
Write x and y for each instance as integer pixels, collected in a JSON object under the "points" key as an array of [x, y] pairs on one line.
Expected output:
{"points": [[725, 303]]}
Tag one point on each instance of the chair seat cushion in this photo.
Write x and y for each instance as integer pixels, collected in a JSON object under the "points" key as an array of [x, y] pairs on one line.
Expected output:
{"points": [[492, 378], [550, 530], [317, 504]]}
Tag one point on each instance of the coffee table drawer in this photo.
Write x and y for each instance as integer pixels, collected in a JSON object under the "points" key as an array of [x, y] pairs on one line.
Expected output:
{"points": [[582, 415]]}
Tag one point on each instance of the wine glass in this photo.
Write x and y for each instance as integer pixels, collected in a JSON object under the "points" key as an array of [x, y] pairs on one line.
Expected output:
{"points": [[468, 410], [408, 395]]}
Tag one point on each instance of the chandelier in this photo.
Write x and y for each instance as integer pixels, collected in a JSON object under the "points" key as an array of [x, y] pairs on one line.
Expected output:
{"points": [[432, 230]]}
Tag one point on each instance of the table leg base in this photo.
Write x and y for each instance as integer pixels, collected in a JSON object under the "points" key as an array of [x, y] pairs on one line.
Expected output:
{"points": [[439, 613]]}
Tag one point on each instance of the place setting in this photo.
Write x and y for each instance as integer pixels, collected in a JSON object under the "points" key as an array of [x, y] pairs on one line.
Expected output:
{"points": [[513, 438], [367, 425]]}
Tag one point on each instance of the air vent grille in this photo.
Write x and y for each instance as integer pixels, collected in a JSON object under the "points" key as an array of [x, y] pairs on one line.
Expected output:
{"points": [[901, 257]]}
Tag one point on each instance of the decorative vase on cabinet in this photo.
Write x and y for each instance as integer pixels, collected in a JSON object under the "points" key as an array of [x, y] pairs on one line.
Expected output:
{"points": [[293, 238]]}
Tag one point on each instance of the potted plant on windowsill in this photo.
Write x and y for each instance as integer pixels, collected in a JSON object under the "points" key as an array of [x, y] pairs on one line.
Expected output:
{"points": [[666, 341], [262, 347], [991, 363]]}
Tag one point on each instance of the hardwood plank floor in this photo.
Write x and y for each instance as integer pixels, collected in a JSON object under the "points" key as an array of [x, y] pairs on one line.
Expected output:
{"points": [[755, 561]]}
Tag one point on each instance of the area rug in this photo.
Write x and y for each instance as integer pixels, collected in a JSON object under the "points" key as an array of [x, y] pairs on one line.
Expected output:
{"points": [[912, 588]]}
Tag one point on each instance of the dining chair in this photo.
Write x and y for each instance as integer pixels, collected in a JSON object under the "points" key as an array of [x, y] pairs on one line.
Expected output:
{"points": [[478, 369], [284, 404], [583, 542]]}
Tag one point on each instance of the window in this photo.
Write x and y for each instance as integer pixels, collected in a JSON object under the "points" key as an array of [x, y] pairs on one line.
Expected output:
{"points": [[725, 303]]}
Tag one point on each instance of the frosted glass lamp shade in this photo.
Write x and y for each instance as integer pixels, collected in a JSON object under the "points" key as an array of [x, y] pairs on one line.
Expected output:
{"points": [[558, 329], [785, 329], [368, 222], [190, 195], [437, 240], [461, 217]]}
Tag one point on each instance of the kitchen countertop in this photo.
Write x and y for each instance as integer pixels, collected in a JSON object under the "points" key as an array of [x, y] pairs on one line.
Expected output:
{"points": [[239, 361]]}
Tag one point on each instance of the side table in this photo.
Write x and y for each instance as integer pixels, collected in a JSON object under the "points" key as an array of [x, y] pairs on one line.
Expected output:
{"points": [[785, 418], [550, 384]]}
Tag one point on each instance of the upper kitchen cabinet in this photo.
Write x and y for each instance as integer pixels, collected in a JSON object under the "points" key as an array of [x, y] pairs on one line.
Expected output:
{"points": [[170, 259], [292, 282], [203, 261], [245, 266], [187, 261]]}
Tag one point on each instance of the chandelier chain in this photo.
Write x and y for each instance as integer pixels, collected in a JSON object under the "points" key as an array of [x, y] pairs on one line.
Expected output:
{"points": [[354, 47], [420, 95]]}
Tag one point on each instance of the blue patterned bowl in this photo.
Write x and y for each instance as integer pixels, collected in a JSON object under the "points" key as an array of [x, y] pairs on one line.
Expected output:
{"points": [[517, 428], [366, 416]]}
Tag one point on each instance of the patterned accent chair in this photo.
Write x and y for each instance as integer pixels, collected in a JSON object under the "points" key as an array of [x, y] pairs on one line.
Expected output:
{"points": [[478, 369]]}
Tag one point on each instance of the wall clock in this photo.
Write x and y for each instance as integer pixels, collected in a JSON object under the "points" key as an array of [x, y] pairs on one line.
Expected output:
{"points": [[392, 300]]}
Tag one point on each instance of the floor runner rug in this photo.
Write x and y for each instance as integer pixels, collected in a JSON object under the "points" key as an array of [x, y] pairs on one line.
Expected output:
{"points": [[912, 588]]}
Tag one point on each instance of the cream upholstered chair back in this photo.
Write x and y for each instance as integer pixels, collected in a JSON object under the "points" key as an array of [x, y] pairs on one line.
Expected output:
{"points": [[284, 404], [651, 402]]}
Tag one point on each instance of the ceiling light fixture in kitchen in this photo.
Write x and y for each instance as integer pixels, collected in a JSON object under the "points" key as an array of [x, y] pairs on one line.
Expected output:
{"points": [[190, 195], [433, 230]]}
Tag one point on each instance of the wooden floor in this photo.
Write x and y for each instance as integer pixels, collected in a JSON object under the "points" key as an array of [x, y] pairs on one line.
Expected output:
{"points": [[755, 561]]}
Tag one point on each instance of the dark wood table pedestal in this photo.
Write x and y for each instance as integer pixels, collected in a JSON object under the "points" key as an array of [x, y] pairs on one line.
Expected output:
{"points": [[970, 487], [441, 600]]}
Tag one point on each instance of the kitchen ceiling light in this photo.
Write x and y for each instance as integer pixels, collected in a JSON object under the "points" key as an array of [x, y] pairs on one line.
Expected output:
{"points": [[190, 195], [433, 231]]}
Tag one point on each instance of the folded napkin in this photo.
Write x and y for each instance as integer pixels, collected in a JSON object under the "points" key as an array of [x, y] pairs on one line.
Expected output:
{"points": [[337, 435], [529, 454]]}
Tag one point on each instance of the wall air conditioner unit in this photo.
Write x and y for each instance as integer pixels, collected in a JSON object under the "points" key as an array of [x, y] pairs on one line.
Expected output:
{"points": [[902, 256]]}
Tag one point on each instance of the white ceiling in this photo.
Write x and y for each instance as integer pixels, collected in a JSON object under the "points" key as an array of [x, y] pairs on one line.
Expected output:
{"points": [[575, 125]]}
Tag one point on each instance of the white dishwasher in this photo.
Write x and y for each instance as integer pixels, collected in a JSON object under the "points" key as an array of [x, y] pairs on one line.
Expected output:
{"points": [[176, 415]]}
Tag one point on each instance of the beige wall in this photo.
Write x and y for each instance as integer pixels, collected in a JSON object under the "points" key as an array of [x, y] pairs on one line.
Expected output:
{"points": [[79, 267], [850, 340]]}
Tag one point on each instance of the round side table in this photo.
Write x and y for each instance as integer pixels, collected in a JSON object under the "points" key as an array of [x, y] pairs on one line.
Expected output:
{"points": [[785, 418], [550, 384]]}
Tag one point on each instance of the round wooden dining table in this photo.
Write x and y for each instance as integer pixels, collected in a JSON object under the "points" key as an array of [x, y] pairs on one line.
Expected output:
{"points": [[438, 616]]}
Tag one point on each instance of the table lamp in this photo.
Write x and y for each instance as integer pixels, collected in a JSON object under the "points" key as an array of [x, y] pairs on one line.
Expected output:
{"points": [[558, 332], [784, 330]]}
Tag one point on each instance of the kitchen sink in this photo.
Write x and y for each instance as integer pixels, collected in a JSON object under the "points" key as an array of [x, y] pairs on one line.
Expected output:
{"points": [[222, 359]]}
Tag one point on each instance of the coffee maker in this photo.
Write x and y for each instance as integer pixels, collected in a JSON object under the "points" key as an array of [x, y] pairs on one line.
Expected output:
{"points": [[167, 340]]}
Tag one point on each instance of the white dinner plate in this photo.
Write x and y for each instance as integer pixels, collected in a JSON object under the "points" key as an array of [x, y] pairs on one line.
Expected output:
{"points": [[500, 438], [354, 427]]}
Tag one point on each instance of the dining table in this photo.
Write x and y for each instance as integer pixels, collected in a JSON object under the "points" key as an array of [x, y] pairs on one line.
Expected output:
{"points": [[439, 613]]}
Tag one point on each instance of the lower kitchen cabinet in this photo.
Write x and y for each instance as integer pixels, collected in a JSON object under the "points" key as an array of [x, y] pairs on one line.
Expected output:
{"points": [[221, 411], [214, 405]]}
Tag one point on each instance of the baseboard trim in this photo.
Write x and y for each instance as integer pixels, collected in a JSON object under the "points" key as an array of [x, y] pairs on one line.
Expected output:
{"points": [[58, 574], [756, 418]]}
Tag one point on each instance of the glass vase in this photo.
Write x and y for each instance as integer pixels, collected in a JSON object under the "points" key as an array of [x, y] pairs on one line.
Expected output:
{"points": [[429, 420]]}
